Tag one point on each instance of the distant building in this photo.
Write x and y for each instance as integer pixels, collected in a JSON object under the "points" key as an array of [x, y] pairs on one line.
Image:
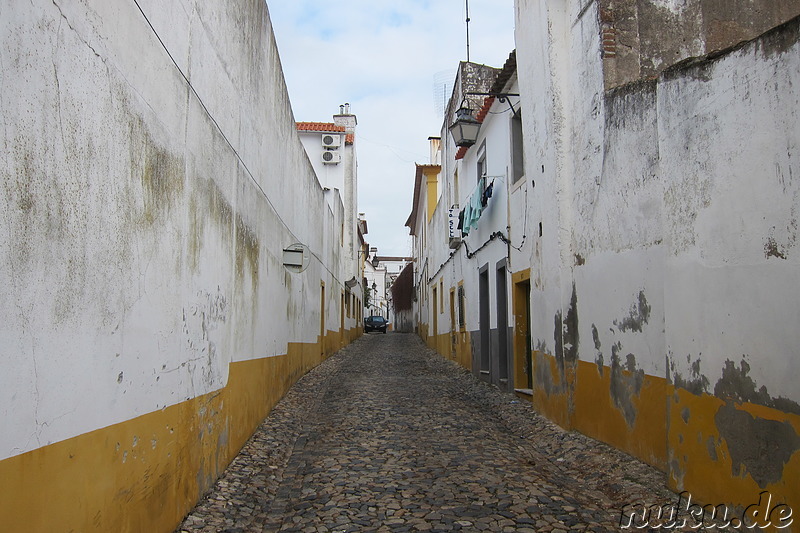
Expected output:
{"points": [[331, 150]]}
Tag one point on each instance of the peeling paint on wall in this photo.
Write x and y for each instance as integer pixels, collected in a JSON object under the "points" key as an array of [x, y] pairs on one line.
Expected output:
{"points": [[758, 447], [737, 385], [697, 383], [771, 249], [638, 316], [626, 383], [570, 330], [597, 346]]}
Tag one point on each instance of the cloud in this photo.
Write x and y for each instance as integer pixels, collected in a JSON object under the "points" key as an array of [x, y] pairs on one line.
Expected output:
{"points": [[383, 58]]}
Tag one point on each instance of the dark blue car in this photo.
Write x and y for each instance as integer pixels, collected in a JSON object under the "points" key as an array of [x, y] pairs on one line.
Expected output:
{"points": [[375, 323]]}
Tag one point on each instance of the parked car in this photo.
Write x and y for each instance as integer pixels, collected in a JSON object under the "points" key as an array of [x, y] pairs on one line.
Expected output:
{"points": [[375, 323]]}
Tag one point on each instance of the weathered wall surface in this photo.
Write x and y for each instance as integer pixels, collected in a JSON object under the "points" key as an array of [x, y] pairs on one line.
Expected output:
{"points": [[642, 38], [664, 286], [151, 178]]}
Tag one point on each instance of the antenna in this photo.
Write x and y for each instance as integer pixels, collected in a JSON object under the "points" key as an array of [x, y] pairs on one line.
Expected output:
{"points": [[442, 90], [467, 1]]}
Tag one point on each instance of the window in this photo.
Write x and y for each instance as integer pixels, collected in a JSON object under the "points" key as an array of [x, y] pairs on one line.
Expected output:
{"points": [[481, 162], [482, 168], [461, 303], [517, 147]]}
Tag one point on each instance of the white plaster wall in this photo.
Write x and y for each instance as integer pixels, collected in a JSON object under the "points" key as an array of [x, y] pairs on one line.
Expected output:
{"points": [[730, 133], [330, 175], [617, 232], [683, 189], [144, 215], [523, 228], [543, 69]]}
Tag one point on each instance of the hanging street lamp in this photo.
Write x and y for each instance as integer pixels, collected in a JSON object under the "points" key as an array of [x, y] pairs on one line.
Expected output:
{"points": [[465, 129]]}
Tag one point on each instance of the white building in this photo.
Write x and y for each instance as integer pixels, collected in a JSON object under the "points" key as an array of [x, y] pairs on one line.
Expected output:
{"points": [[331, 149], [375, 280]]}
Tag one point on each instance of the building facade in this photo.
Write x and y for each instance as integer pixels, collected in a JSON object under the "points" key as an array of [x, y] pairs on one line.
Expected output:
{"points": [[637, 276], [169, 261], [331, 149]]}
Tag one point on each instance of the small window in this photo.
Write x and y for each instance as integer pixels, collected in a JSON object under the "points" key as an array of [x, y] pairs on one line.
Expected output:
{"points": [[482, 168], [517, 147]]}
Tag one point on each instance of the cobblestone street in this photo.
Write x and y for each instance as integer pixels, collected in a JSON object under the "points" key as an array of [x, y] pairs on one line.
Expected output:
{"points": [[388, 436]]}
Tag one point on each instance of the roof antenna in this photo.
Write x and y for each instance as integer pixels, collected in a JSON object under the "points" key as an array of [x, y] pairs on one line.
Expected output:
{"points": [[467, 1]]}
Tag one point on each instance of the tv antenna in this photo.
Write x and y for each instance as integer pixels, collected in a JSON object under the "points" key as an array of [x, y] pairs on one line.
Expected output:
{"points": [[467, 2]]}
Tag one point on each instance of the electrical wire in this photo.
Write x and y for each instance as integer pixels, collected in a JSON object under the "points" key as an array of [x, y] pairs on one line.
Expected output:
{"points": [[228, 142]]}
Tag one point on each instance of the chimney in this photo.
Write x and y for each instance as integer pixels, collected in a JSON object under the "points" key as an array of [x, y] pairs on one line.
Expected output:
{"points": [[436, 150], [345, 118]]}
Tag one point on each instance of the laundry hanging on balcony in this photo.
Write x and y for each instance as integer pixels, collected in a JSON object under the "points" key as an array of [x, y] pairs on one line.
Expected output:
{"points": [[469, 216]]}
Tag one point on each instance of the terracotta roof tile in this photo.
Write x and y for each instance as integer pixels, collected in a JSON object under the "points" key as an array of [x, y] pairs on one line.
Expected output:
{"points": [[319, 126], [508, 70], [462, 151], [350, 138], [487, 104]]}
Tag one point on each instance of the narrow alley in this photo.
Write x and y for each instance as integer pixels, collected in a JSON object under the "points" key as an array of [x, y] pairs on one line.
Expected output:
{"points": [[388, 436]]}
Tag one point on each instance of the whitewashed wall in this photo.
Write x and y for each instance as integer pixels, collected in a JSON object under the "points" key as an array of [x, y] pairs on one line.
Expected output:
{"points": [[669, 250], [151, 179], [731, 177]]}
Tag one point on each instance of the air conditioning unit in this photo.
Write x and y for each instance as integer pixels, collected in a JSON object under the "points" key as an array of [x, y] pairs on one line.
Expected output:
{"points": [[329, 157], [331, 140]]}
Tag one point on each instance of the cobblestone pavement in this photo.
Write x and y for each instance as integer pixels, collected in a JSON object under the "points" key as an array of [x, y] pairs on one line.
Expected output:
{"points": [[388, 436]]}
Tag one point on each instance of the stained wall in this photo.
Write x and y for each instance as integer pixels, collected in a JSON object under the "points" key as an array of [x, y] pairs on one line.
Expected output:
{"points": [[152, 177], [664, 281]]}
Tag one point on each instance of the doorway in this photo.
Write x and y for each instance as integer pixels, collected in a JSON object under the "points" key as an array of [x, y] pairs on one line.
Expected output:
{"points": [[435, 321], [502, 325], [453, 334], [484, 317], [523, 363], [322, 319]]}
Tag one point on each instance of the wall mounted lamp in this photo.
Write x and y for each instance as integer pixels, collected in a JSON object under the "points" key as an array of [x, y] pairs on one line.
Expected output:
{"points": [[465, 128]]}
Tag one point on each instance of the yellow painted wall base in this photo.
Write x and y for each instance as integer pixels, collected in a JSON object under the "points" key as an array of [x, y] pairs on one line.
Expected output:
{"points": [[701, 461], [678, 432], [599, 415], [455, 347], [145, 474]]}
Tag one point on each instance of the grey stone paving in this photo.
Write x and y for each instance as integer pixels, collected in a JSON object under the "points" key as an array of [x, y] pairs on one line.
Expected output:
{"points": [[388, 436]]}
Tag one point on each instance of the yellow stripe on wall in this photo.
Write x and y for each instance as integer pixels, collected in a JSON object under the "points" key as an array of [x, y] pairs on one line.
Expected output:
{"points": [[145, 474]]}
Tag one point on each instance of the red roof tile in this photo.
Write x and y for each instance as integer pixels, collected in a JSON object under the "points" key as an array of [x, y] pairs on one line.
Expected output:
{"points": [[319, 126], [487, 104], [462, 151], [350, 138]]}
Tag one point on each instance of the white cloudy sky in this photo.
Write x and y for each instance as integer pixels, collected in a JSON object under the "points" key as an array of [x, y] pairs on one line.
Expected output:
{"points": [[385, 59]]}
